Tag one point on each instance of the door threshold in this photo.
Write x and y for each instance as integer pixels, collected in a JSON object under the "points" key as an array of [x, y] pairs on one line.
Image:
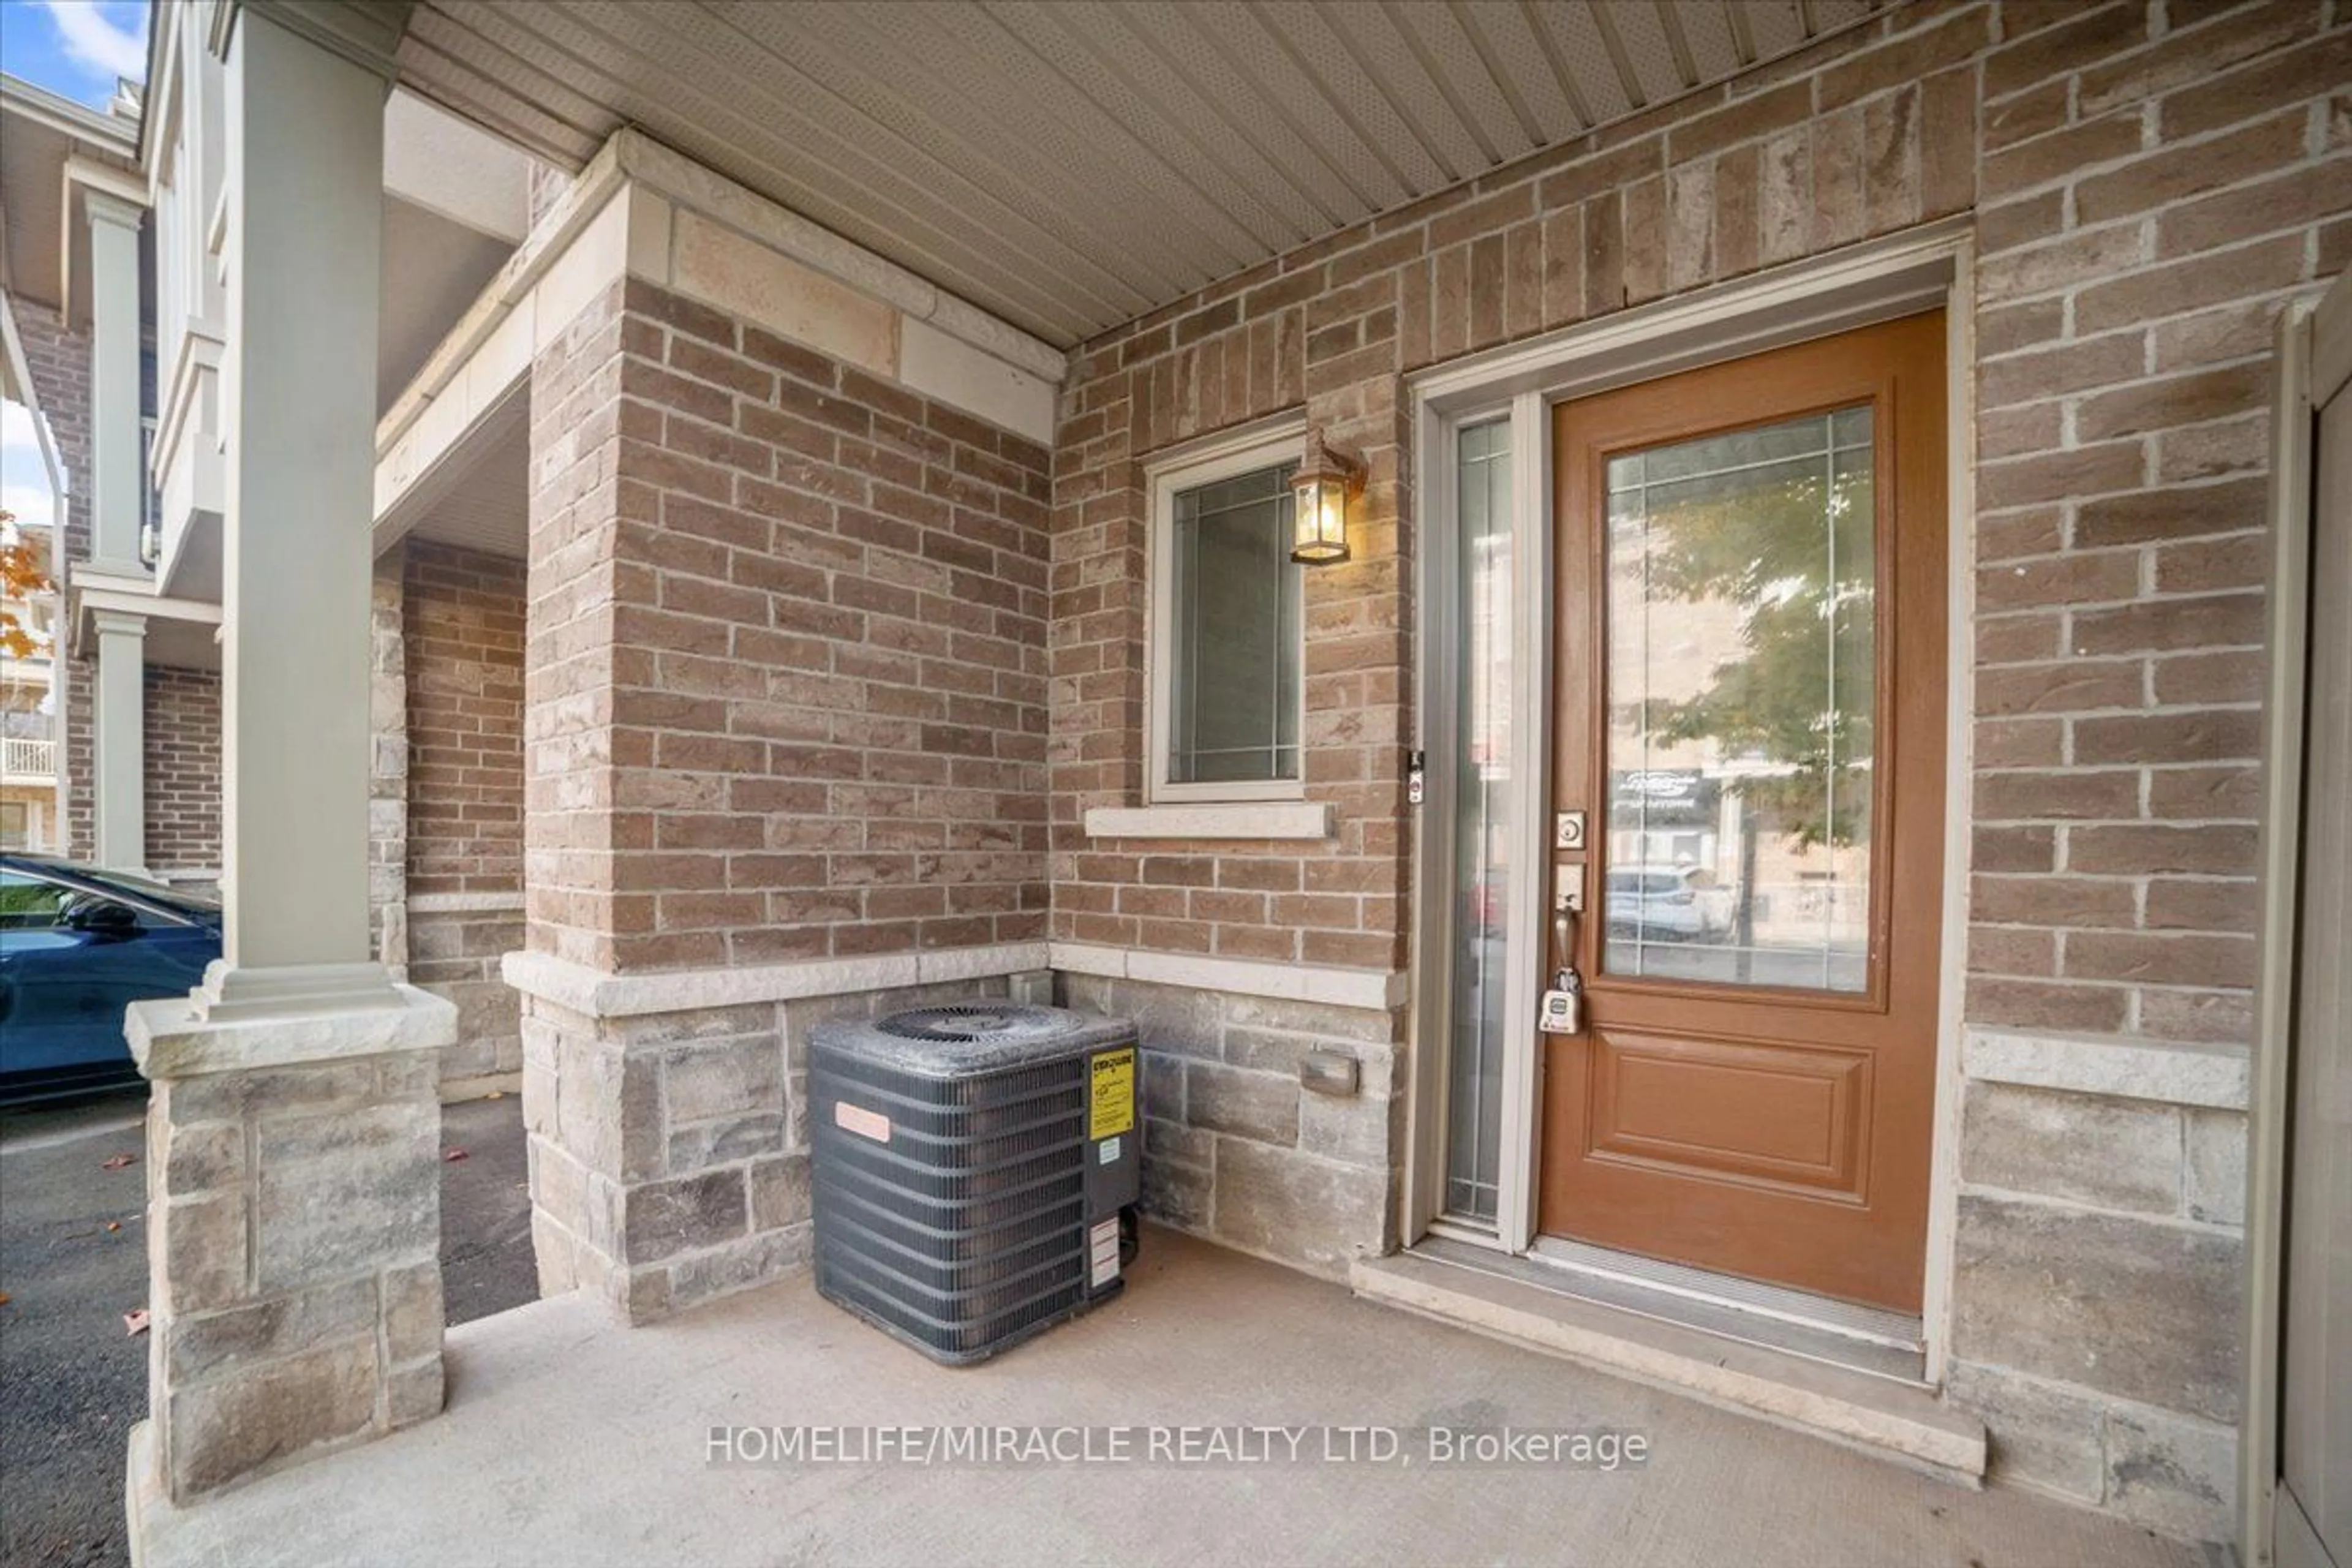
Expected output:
{"points": [[1885, 1411], [1775, 1315]]}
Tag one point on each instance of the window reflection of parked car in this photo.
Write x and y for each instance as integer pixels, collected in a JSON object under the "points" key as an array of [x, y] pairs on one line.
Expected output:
{"points": [[1668, 901], [1486, 906], [77, 947]]}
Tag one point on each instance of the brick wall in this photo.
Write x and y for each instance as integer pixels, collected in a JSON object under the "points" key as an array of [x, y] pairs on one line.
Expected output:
{"points": [[57, 361], [801, 613], [462, 633], [2150, 185], [459, 652], [2149, 205], [184, 768], [2151, 196]]}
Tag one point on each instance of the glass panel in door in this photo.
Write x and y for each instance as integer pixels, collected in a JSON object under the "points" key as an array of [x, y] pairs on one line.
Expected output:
{"points": [[1741, 685]]}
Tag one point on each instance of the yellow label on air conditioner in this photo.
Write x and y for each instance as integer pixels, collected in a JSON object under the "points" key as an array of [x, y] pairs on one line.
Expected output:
{"points": [[1113, 1104]]}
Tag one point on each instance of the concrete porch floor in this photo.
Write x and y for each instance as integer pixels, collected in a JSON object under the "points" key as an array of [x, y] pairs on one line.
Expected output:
{"points": [[569, 1441]]}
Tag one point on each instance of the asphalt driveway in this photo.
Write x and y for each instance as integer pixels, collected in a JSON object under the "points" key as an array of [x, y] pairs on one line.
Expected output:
{"points": [[73, 1260]]}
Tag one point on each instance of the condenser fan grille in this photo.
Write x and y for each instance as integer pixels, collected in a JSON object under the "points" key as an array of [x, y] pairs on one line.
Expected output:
{"points": [[973, 1022]]}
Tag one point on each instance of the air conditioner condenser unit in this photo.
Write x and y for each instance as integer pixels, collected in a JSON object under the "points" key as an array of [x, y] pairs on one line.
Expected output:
{"points": [[974, 1169]]}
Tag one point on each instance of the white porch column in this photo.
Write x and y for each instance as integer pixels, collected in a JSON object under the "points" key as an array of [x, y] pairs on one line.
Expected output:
{"points": [[294, 1131], [117, 486], [306, 192], [118, 741]]}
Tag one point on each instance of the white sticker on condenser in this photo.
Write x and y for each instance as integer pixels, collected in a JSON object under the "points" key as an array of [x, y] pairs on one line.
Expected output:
{"points": [[1110, 1155], [1105, 1237], [864, 1122]]}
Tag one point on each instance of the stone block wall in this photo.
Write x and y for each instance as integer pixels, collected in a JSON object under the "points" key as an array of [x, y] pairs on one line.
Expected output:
{"points": [[184, 775], [2098, 1329], [294, 1228], [1234, 1148], [669, 1151]]}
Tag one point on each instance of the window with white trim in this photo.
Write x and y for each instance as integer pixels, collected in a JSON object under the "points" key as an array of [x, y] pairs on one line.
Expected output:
{"points": [[1228, 628]]}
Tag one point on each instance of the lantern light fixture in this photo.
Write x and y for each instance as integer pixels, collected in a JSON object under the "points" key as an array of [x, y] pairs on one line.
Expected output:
{"points": [[1328, 476]]}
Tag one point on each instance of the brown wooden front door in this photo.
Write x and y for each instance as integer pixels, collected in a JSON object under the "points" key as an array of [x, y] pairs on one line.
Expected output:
{"points": [[1749, 674]]}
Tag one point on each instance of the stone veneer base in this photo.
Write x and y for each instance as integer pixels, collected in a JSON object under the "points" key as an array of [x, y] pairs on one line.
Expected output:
{"points": [[294, 1231]]}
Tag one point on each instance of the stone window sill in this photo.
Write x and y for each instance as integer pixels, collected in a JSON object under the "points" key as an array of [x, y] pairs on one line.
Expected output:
{"points": [[1244, 819]]}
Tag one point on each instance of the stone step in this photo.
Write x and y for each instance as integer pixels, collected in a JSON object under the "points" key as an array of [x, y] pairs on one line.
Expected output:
{"points": [[1908, 1425]]}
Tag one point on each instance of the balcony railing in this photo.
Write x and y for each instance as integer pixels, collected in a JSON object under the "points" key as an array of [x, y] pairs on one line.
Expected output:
{"points": [[26, 759]]}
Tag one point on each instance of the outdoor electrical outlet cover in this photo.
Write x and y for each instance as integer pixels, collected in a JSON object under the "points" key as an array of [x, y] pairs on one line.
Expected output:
{"points": [[1328, 1072]]}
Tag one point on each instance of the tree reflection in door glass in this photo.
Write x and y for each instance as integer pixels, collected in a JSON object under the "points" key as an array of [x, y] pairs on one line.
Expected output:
{"points": [[1741, 688]]}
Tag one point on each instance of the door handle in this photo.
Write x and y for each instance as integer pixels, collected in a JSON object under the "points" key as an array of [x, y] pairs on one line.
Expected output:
{"points": [[1561, 1009]]}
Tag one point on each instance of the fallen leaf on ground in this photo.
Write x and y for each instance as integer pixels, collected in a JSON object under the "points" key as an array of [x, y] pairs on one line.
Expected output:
{"points": [[118, 1161], [496, 1094], [3, 1297], [454, 1155], [134, 1323], [114, 1225]]}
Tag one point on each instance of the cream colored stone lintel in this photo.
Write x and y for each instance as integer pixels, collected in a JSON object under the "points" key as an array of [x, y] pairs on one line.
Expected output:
{"points": [[596, 994], [1254, 819], [640, 209], [168, 1040], [2214, 1076], [1373, 990]]}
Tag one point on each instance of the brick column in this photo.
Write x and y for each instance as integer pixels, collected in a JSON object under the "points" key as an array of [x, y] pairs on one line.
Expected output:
{"points": [[784, 734]]}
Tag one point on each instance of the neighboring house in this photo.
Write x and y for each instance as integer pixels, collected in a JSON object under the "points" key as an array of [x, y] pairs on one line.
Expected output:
{"points": [[135, 694], [29, 814], [834, 549]]}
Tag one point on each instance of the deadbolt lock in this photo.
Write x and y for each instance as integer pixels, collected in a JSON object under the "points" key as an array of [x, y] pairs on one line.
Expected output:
{"points": [[1567, 830]]}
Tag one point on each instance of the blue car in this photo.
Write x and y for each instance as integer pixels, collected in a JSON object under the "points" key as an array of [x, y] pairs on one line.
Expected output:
{"points": [[77, 947]]}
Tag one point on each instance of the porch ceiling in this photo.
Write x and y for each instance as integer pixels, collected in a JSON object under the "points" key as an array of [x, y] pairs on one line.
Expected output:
{"points": [[1070, 167]]}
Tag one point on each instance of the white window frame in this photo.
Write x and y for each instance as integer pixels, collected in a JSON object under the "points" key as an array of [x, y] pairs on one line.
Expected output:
{"points": [[1240, 452]]}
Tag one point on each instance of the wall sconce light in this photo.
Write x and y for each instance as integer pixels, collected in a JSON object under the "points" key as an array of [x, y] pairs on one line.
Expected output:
{"points": [[1328, 476]]}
